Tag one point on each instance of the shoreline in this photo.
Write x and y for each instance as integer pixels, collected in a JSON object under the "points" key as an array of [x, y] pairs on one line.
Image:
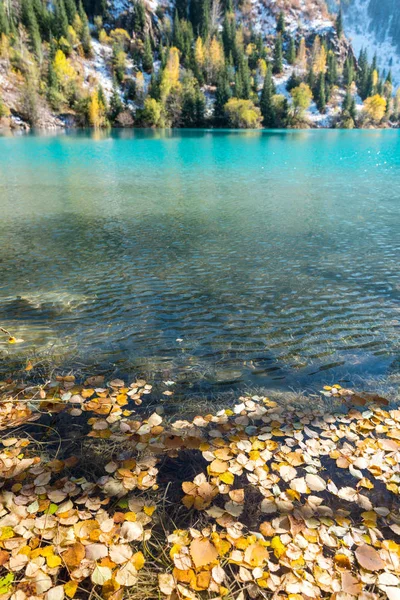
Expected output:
{"points": [[103, 494]]}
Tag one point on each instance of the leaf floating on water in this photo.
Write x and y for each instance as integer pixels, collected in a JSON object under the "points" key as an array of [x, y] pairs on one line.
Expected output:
{"points": [[315, 482]]}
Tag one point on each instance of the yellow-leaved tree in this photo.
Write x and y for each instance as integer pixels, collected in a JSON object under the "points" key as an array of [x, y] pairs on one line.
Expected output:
{"points": [[214, 60], [199, 52], [301, 58], [242, 114], [97, 111], [375, 108], [170, 75], [318, 57], [64, 71]]}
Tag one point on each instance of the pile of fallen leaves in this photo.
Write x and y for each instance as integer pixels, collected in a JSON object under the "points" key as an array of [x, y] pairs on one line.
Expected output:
{"points": [[283, 502]]}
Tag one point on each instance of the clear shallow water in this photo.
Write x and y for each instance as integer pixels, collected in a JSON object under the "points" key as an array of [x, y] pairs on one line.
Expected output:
{"points": [[274, 257]]}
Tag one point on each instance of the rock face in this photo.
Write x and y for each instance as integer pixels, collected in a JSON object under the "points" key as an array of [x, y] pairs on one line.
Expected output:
{"points": [[375, 25]]}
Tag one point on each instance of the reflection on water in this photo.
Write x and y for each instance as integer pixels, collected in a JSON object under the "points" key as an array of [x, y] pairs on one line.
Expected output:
{"points": [[272, 256]]}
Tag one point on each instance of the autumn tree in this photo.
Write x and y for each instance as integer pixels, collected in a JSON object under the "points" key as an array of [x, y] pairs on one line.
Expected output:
{"points": [[242, 114], [374, 108], [301, 100], [170, 74], [301, 59], [214, 60]]}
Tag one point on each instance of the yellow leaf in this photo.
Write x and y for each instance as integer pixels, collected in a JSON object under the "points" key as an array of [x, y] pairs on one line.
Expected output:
{"points": [[70, 588], [53, 561], [6, 533], [29, 366], [148, 510], [138, 560], [277, 546], [227, 477]]}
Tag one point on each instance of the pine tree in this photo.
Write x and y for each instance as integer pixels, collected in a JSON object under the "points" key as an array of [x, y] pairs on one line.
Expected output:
{"points": [[222, 95], [139, 17], [147, 61], [70, 8], [52, 81], [266, 104], [363, 75], [278, 65], [31, 24], [242, 79], [85, 35], [280, 25], [339, 23], [320, 93], [199, 13], [229, 34], [291, 52], [348, 71], [177, 32], [4, 25], [332, 72], [181, 7], [60, 19]]}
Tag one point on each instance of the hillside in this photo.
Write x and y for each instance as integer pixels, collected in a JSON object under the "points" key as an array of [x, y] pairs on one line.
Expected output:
{"points": [[374, 24], [271, 63]]}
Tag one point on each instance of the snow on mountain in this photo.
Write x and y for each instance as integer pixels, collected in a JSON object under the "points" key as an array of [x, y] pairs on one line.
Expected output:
{"points": [[375, 26], [300, 16]]}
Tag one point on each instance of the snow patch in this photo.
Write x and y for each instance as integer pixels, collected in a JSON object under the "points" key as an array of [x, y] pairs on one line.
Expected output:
{"points": [[98, 69]]}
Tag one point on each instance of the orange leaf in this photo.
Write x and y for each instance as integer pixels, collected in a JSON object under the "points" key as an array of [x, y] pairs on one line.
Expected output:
{"points": [[203, 552]]}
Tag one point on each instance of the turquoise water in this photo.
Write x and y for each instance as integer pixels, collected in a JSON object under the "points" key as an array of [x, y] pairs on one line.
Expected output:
{"points": [[272, 256]]}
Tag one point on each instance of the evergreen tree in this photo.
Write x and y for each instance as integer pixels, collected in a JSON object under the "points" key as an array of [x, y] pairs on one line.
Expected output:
{"points": [[199, 12], [266, 104], [177, 39], [229, 34], [222, 95], [60, 19], [339, 23], [291, 52], [280, 25], [348, 71], [278, 65], [4, 24], [242, 79], [147, 61], [293, 81], [85, 35], [29, 20], [139, 20], [332, 70], [320, 97], [70, 8], [181, 7], [43, 18], [363, 74], [193, 107]]}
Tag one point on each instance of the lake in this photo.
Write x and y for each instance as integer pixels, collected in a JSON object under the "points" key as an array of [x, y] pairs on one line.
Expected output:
{"points": [[217, 259]]}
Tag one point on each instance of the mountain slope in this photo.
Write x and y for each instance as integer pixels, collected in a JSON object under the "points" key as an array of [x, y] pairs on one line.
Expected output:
{"points": [[375, 25]]}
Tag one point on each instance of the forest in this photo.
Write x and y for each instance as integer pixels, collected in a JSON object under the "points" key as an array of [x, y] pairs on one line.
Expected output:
{"points": [[199, 64]]}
